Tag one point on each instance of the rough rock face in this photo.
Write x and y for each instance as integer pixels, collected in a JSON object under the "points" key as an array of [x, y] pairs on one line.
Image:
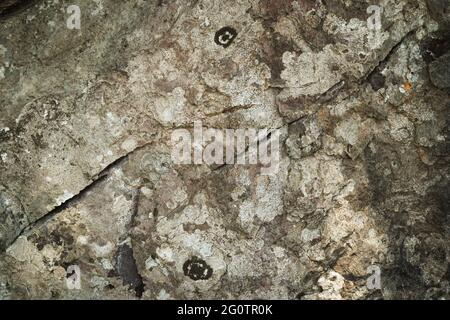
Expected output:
{"points": [[87, 179]]}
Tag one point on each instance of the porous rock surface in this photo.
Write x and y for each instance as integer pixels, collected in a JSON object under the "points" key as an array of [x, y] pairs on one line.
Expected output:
{"points": [[86, 176]]}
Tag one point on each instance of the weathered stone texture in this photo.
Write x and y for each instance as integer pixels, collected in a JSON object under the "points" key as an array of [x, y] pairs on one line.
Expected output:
{"points": [[86, 176]]}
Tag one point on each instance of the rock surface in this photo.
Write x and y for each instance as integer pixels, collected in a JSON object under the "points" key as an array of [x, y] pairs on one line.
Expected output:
{"points": [[87, 180]]}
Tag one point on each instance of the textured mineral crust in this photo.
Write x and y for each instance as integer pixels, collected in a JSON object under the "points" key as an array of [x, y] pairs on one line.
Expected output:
{"points": [[88, 186]]}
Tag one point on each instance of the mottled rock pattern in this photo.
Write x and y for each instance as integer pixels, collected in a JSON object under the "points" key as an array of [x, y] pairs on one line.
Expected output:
{"points": [[86, 176], [440, 71]]}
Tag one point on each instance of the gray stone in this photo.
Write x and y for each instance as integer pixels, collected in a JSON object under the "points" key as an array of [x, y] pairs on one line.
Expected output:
{"points": [[87, 180], [440, 71]]}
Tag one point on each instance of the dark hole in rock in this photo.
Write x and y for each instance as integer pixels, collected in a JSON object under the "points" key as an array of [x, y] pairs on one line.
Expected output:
{"points": [[435, 46], [109, 287], [377, 81], [197, 269], [126, 269], [299, 295], [225, 36]]}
